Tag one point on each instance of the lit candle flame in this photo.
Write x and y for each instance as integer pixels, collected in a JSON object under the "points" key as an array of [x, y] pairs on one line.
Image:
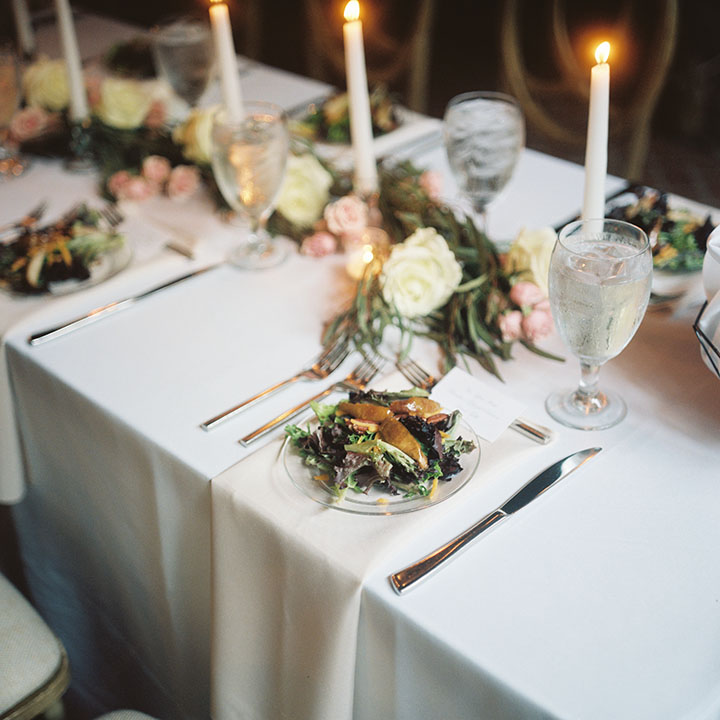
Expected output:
{"points": [[352, 11], [215, 2], [602, 52]]}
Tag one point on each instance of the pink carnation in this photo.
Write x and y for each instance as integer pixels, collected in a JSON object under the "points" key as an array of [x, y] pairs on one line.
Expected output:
{"points": [[346, 216], [29, 123], [156, 169], [136, 189], [183, 182], [538, 324], [526, 294], [431, 181], [318, 244], [511, 325]]}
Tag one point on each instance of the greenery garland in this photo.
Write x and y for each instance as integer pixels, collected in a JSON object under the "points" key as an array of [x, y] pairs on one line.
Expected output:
{"points": [[468, 323]]}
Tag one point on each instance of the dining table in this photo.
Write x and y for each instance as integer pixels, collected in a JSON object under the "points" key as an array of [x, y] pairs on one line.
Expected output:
{"points": [[188, 575]]}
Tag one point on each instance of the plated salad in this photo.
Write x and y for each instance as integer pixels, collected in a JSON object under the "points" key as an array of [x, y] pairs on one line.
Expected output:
{"points": [[678, 237], [65, 250], [403, 443], [329, 121]]}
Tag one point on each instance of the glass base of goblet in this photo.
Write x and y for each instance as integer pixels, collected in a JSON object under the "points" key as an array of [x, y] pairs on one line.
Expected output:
{"points": [[258, 257], [584, 412]]}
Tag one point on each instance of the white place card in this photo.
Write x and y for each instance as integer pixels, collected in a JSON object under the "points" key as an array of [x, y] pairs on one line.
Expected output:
{"points": [[486, 409]]}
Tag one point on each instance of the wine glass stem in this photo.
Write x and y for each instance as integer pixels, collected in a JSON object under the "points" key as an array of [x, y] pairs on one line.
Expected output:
{"points": [[588, 398], [589, 379], [257, 240]]}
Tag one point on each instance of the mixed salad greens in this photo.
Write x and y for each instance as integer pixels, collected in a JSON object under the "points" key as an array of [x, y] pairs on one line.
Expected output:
{"points": [[65, 250], [678, 238], [401, 442]]}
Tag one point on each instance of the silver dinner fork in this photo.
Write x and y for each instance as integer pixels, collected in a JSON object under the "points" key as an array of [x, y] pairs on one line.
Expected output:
{"points": [[422, 379], [326, 362], [357, 379], [28, 220], [112, 215]]}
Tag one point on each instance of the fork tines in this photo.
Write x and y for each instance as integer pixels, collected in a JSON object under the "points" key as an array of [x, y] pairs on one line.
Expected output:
{"points": [[333, 354], [412, 372], [112, 215]]}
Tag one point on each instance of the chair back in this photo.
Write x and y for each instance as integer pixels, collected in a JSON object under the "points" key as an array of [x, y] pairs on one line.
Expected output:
{"points": [[555, 103], [397, 45]]}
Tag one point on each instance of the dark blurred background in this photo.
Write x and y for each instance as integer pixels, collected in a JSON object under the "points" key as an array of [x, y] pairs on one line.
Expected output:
{"points": [[665, 126]]}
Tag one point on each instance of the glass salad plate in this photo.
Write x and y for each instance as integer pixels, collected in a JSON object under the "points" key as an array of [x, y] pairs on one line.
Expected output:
{"points": [[377, 501], [106, 265]]}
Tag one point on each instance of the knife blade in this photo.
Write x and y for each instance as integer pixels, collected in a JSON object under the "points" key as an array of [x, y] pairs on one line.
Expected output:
{"points": [[110, 309], [405, 579]]}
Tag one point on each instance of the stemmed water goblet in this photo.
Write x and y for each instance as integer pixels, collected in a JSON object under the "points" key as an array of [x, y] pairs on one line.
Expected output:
{"points": [[184, 56], [12, 163], [249, 155], [599, 287], [484, 133]]}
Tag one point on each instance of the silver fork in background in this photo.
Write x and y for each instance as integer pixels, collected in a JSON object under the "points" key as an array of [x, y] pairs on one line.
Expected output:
{"points": [[327, 362], [357, 379], [113, 216], [424, 380], [26, 222]]}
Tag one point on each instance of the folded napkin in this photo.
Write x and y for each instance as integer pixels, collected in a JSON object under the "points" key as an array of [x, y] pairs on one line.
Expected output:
{"points": [[288, 575]]}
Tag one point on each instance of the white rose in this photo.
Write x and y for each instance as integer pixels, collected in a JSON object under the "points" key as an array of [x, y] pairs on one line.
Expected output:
{"points": [[45, 84], [421, 274], [124, 104], [305, 190], [530, 255], [195, 135]]}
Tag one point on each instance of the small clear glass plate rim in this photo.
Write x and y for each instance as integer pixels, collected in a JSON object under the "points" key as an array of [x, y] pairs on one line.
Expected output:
{"points": [[302, 476]]}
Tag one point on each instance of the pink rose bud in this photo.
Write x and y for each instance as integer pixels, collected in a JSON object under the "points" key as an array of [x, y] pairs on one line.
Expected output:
{"points": [[137, 189], [318, 244], [431, 181], [156, 169], [183, 183], [537, 325], [511, 325], [526, 294], [28, 124], [156, 115], [346, 216], [93, 83], [117, 181]]}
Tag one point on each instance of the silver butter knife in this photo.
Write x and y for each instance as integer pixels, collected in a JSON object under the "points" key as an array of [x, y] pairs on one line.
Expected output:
{"points": [[110, 309], [407, 578]]}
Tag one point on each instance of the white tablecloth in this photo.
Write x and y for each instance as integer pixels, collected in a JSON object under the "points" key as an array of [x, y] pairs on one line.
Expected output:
{"points": [[598, 600], [121, 523]]}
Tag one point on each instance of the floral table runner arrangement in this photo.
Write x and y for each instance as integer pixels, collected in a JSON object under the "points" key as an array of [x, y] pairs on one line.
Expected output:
{"points": [[430, 273]]}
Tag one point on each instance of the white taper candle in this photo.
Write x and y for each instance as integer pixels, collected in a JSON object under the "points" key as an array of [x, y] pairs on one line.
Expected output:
{"points": [[365, 180], [227, 60], [596, 150], [71, 53], [23, 25]]}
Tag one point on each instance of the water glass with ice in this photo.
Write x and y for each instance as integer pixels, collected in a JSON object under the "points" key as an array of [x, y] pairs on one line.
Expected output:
{"points": [[185, 56], [484, 133], [599, 286]]}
